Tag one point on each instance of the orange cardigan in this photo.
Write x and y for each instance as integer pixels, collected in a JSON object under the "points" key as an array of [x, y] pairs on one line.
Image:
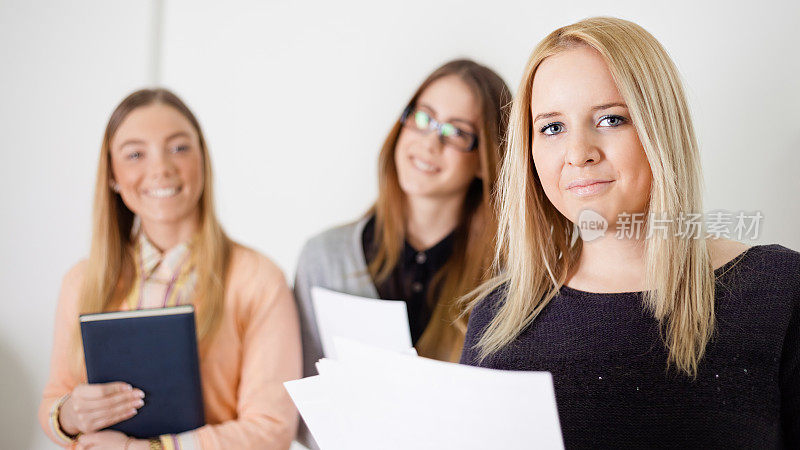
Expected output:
{"points": [[256, 349]]}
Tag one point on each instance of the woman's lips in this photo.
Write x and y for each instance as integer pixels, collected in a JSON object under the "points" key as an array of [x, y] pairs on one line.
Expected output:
{"points": [[424, 166], [585, 188]]}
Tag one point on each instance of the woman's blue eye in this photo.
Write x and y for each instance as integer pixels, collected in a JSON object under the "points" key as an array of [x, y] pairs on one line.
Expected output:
{"points": [[134, 155], [552, 128], [180, 148], [611, 121]]}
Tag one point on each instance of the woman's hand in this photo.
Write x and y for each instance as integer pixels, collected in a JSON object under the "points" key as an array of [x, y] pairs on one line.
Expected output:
{"points": [[92, 407], [110, 440]]}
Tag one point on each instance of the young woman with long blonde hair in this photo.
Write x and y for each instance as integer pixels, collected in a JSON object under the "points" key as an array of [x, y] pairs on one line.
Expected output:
{"points": [[156, 242], [655, 336]]}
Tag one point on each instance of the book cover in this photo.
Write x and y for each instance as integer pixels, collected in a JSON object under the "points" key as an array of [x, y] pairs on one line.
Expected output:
{"points": [[154, 350]]}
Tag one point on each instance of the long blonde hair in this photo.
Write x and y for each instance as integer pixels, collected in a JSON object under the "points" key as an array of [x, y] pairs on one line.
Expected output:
{"points": [[443, 338], [537, 246], [110, 269]]}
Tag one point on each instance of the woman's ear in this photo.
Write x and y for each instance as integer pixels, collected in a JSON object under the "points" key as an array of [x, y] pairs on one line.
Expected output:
{"points": [[114, 186]]}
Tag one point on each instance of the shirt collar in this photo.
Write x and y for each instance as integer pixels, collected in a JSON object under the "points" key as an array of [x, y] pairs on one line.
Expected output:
{"points": [[165, 263]]}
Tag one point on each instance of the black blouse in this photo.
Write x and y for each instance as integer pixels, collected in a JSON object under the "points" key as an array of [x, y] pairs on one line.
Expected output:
{"points": [[411, 278]]}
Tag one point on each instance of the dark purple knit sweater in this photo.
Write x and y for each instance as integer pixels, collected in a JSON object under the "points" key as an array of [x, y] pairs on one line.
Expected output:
{"points": [[609, 363]]}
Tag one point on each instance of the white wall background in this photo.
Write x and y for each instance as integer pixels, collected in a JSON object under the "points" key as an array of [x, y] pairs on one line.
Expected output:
{"points": [[295, 99]]}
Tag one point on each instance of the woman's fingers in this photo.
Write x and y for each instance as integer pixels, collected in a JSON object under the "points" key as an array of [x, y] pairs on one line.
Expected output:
{"points": [[110, 410], [101, 390], [132, 398], [111, 417], [96, 406]]}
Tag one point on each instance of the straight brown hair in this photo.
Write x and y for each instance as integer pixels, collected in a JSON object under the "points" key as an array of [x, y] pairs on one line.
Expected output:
{"points": [[110, 268], [473, 244]]}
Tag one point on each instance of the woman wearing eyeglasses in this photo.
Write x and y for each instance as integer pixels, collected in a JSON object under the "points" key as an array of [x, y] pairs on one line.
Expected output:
{"points": [[428, 238]]}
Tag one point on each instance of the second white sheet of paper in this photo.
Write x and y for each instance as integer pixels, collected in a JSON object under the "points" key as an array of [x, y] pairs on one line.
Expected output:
{"points": [[376, 398]]}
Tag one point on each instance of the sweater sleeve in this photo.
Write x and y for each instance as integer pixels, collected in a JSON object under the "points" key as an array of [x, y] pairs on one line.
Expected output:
{"points": [[266, 417], [304, 281], [62, 378], [790, 375]]}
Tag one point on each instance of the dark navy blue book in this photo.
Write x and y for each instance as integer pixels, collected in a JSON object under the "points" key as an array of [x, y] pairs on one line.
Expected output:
{"points": [[154, 350]]}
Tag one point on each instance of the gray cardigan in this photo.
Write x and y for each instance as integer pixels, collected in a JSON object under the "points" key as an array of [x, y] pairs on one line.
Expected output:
{"points": [[333, 260]]}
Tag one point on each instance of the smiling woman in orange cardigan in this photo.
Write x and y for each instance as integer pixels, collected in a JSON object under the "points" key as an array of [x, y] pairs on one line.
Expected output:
{"points": [[156, 243]]}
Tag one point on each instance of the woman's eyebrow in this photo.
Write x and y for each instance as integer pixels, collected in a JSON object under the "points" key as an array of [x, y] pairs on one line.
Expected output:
{"points": [[546, 116], [608, 105], [428, 107], [177, 134], [131, 142]]}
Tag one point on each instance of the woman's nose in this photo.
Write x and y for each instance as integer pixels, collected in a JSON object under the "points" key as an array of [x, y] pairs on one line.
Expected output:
{"points": [[161, 164], [581, 150]]}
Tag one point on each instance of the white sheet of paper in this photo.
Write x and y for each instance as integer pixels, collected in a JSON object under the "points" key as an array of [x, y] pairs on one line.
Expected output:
{"points": [[390, 400], [382, 323], [316, 398], [348, 349]]}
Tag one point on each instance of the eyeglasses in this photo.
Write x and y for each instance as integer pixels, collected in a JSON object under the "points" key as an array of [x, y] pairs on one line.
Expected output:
{"points": [[449, 134]]}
